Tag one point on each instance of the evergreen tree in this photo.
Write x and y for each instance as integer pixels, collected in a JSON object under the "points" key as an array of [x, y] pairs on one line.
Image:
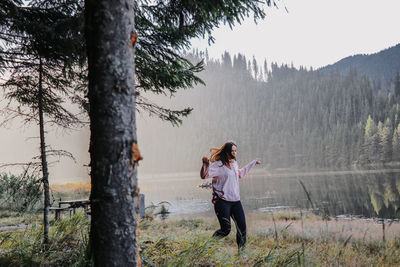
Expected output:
{"points": [[386, 141], [255, 69], [397, 84], [226, 60], [369, 134], [396, 143], [41, 56]]}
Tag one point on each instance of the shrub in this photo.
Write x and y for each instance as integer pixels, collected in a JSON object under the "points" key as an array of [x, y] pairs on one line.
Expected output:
{"points": [[19, 193]]}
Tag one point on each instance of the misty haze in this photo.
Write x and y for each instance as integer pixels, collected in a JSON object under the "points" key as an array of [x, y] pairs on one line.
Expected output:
{"points": [[297, 121]]}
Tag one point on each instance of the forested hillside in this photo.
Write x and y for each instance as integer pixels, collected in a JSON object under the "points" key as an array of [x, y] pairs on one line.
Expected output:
{"points": [[291, 118], [381, 67]]}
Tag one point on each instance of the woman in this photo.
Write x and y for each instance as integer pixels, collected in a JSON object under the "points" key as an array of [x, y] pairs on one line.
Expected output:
{"points": [[225, 173]]}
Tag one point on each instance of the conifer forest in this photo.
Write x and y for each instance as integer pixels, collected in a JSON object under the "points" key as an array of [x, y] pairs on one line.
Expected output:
{"points": [[291, 117]]}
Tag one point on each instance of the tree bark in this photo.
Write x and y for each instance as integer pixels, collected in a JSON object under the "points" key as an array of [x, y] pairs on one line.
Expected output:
{"points": [[109, 32], [45, 172]]}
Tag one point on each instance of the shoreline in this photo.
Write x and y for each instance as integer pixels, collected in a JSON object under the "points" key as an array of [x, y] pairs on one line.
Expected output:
{"points": [[278, 173]]}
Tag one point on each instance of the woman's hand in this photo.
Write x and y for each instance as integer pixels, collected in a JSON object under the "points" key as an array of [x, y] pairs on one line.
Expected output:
{"points": [[206, 161], [258, 161]]}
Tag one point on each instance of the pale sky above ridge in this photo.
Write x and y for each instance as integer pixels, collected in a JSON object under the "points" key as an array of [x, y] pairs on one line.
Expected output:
{"points": [[313, 33]]}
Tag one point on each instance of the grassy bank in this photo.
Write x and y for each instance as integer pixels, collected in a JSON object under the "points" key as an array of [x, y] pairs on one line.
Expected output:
{"points": [[12, 218], [68, 244], [274, 239]]}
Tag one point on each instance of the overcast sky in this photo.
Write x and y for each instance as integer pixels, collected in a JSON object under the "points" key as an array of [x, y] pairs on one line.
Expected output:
{"points": [[313, 33]]}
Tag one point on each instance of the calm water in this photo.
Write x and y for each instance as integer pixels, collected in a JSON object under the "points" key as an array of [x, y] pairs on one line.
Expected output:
{"points": [[367, 194]]}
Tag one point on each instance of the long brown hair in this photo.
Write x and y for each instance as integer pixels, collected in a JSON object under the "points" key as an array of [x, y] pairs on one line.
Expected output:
{"points": [[224, 153]]}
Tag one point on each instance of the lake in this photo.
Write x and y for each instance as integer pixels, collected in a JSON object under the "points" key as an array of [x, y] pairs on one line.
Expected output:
{"points": [[371, 193]]}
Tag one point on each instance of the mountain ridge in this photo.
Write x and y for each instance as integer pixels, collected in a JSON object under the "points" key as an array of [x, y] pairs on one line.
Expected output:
{"points": [[381, 66]]}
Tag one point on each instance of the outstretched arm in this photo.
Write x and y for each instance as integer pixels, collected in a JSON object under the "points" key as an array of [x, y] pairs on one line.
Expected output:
{"points": [[243, 171]]}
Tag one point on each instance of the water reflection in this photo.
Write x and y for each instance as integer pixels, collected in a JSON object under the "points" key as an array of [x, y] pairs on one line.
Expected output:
{"points": [[369, 194]]}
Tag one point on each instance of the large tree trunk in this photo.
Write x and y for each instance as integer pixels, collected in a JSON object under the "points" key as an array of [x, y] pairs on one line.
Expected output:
{"points": [[109, 31], [45, 172]]}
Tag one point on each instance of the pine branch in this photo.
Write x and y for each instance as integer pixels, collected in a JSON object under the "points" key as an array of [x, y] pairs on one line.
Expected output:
{"points": [[173, 116]]}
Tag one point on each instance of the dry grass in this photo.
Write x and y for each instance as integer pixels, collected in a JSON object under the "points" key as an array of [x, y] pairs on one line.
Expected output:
{"points": [[316, 227], [67, 191], [281, 239], [68, 244], [287, 238], [71, 187], [8, 218]]}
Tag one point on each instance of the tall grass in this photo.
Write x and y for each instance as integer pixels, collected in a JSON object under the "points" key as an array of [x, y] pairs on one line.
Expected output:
{"points": [[272, 241], [68, 244], [278, 240], [189, 243]]}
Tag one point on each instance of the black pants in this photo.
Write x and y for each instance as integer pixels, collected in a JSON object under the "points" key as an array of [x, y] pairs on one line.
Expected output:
{"points": [[226, 209]]}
